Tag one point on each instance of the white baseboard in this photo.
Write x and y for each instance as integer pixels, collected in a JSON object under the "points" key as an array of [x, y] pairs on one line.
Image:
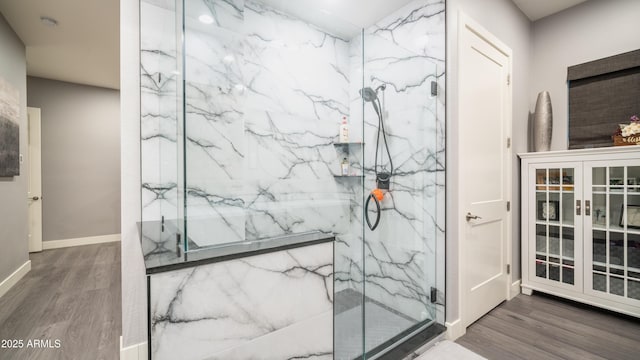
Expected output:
{"points": [[13, 279], [455, 329], [515, 289], [134, 352], [90, 240]]}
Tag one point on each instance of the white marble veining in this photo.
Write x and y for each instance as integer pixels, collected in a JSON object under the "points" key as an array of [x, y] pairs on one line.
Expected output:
{"points": [[225, 14], [418, 26], [229, 306], [264, 94], [303, 340]]}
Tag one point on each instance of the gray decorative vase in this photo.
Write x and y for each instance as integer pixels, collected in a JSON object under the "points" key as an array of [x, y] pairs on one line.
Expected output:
{"points": [[542, 123]]}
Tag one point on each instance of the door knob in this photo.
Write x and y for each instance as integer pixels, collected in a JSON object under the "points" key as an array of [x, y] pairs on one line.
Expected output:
{"points": [[472, 217], [35, 198]]}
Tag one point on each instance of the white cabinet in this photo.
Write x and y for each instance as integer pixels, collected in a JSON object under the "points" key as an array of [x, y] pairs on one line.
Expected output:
{"points": [[581, 226]]}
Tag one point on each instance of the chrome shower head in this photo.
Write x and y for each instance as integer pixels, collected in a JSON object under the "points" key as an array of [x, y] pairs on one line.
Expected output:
{"points": [[368, 94]]}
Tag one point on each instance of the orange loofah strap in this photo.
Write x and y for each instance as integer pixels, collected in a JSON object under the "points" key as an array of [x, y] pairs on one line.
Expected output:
{"points": [[378, 194]]}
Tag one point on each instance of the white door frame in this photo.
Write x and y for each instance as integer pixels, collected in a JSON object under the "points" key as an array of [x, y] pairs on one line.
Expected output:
{"points": [[465, 22], [34, 185]]}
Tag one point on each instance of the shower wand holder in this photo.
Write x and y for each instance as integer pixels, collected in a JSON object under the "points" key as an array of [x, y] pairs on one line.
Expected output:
{"points": [[383, 180]]}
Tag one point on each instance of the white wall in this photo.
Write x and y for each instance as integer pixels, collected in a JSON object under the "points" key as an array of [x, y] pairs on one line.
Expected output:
{"points": [[589, 31], [134, 286], [80, 158], [505, 21], [542, 51], [14, 250]]}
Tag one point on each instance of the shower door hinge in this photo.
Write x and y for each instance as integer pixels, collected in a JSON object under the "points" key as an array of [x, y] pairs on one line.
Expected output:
{"points": [[508, 143], [433, 296], [434, 88], [508, 205], [508, 79], [508, 269], [178, 241]]}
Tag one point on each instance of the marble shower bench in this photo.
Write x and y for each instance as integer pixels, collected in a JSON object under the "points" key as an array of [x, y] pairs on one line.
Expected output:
{"points": [[261, 299]]}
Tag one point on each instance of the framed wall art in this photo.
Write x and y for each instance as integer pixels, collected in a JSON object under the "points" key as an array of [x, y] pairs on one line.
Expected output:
{"points": [[9, 130]]}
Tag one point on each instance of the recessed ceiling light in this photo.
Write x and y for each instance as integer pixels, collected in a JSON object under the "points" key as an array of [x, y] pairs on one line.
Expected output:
{"points": [[205, 19], [48, 21]]}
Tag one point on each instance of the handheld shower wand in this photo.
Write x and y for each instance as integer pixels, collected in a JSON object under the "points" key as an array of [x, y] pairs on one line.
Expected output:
{"points": [[383, 178]]}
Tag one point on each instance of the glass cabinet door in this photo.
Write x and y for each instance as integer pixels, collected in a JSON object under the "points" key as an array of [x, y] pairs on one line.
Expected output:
{"points": [[556, 215], [612, 235]]}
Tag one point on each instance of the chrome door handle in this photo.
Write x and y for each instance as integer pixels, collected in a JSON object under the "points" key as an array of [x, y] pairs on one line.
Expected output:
{"points": [[472, 217], [578, 207]]}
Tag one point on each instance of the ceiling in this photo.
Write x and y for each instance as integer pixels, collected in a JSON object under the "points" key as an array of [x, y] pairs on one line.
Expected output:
{"points": [[84, 48], [537, 9], [340, 17]]}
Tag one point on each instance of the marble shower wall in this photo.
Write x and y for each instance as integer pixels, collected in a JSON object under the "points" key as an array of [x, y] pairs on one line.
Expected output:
{"points": [[271, 306], [264, 96], [403, 256], [265, 93]]}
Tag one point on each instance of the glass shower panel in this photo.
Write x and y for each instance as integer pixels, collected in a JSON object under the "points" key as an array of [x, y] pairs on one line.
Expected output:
{"points": [[266, 89], [349, 263], [400, 254], [160, 125], [214, 132], [265, 93]]}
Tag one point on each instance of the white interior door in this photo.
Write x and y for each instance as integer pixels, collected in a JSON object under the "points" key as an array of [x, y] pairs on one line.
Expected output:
{"points": [[485, 174], [34, 195]]}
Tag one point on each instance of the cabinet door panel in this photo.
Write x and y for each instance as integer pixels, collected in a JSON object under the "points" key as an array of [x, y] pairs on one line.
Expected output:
{"points": [[554, 224], [612, 235]]}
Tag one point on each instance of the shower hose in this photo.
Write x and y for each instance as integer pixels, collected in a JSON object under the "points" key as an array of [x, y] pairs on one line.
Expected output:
{"points": [[382, 178]]}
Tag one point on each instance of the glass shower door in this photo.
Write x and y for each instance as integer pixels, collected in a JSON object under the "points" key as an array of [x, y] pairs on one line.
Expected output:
{"points": [[400, 253]]}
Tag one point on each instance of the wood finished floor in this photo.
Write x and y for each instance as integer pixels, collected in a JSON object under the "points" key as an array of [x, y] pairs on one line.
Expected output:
{"points": [[542, 327], [70, 294]]}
